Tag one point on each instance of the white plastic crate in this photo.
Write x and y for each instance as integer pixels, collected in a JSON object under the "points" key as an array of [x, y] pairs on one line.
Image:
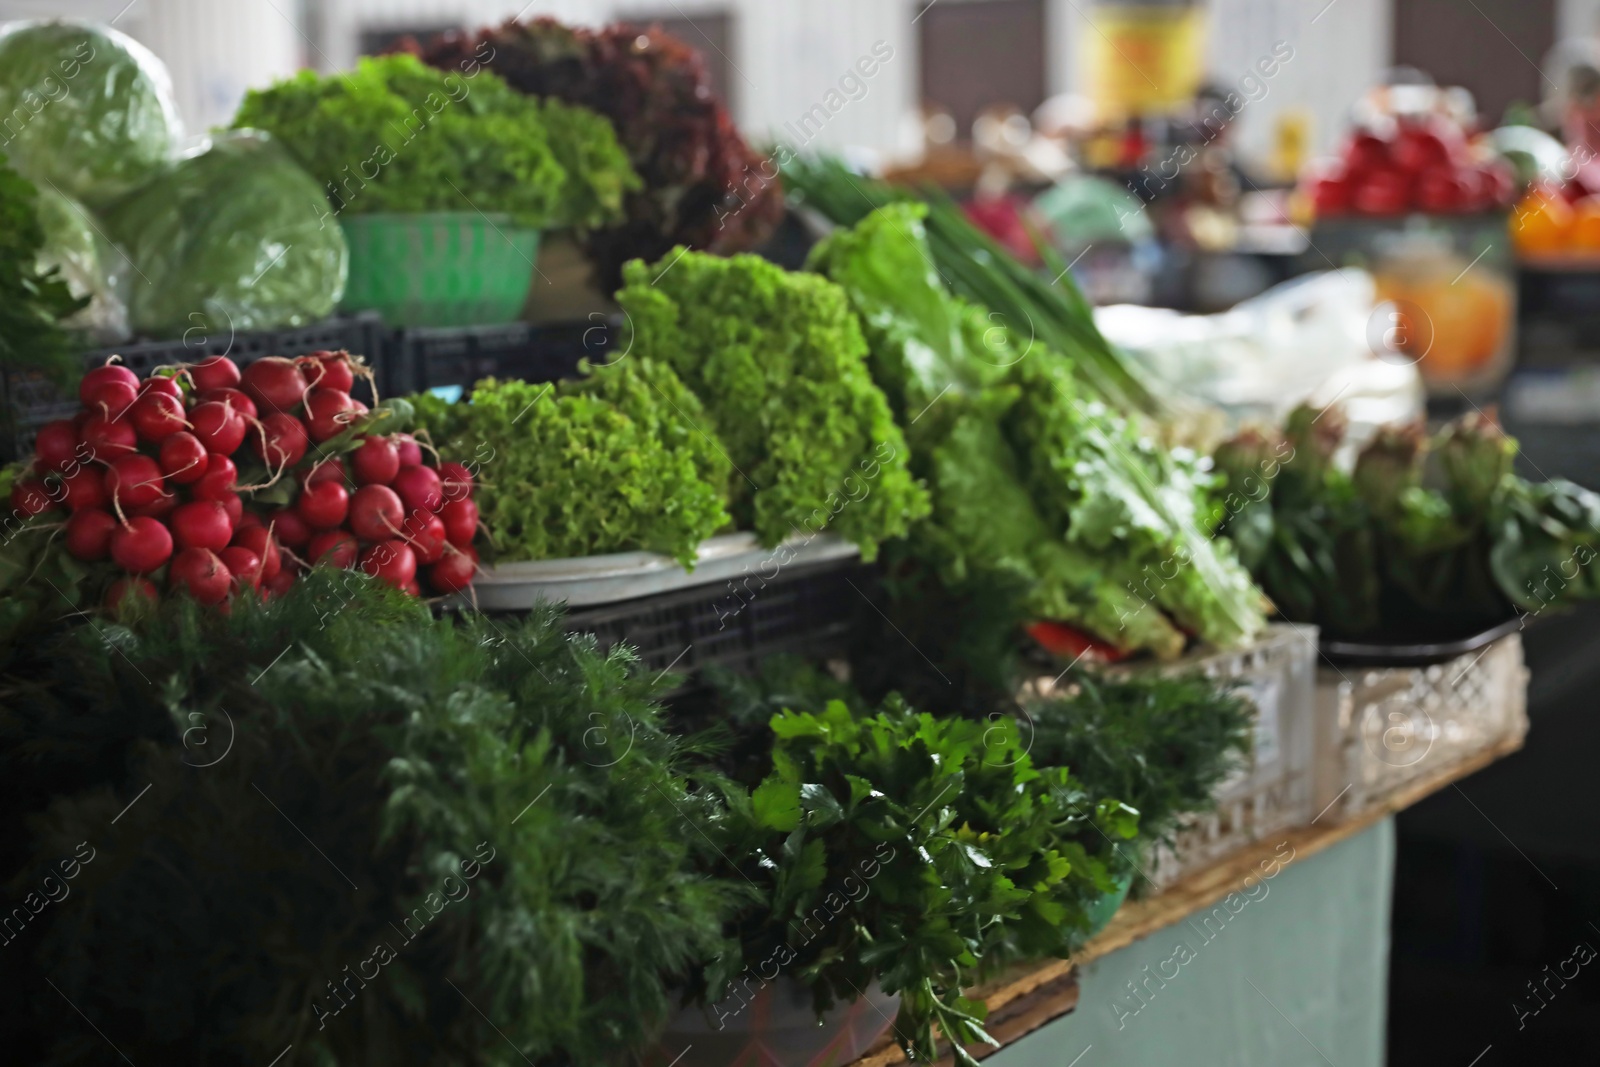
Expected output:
{"points": [[1272, 790], [1380, 729]]}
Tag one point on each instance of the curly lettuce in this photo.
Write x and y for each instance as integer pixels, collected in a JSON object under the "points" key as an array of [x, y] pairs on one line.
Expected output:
{"points": [[779, 361], [619, 462]]}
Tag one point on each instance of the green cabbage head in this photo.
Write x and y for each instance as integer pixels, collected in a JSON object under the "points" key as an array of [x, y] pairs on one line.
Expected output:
{"points": [[84, 109]]}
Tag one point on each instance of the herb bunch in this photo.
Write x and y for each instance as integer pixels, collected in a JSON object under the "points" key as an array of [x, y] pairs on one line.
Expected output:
{"points": [[895, 847], [482, 798]]}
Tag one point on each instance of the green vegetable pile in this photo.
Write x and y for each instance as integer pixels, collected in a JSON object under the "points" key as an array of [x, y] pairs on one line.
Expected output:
{"points": [[32, 301], [1159, 744], [397, 136], [1034, 483], [979, 270], [893, 846], [229, 238], [1427, 538], [624, 459], [334, 822], [88, 110], [780, 364]]}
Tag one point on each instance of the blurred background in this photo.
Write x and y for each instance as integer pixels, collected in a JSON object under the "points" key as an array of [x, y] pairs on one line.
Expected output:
{"points": [[1194, 160]]}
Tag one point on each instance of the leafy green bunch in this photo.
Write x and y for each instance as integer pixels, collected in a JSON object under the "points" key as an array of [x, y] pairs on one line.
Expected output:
{"points": [[1160, 744], [895, 847], [1035, 483], [780, 364], [1424, 537], [334, 822], [32, 301], [622, 459], [395, 135]]}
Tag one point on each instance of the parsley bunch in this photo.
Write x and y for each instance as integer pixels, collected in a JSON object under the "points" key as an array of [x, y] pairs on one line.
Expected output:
{"points": [[395, 135], [779, 361], [893, 846]]}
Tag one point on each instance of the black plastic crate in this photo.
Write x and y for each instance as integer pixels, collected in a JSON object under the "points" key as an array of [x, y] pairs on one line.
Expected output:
{"points": [[435, 357], [31, 400], [807, 612]]}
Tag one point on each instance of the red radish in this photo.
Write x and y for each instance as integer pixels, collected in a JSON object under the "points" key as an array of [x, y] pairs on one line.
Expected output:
{"points": [[183, 458], [85, 488], [411, 588], [158, 416], [200, 573], [29, 497], [244, 564], [419, 489], [220, 428], [327, 470], [274, 383], [455, 481], [390, 561], [410, 451], [326, 413], [201, 524], [455, 572], [234, 399], [89, 534], [376, 462], [129, 593], [159, 508], [141, 546], [280, 441], [134, 481], [111, 372], [161, 384], [331, 370], [460, 521], [278, 584], [218, 481], [56, 445], [112, 398], [247, 520], [215, 372], [289, 528], [264, 545], [334, 546], [376, 513], [426, 535], [109, 438], [233, 506], [323, 505]]}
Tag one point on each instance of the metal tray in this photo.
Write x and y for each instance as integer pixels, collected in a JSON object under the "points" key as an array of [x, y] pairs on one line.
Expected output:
{"points": [[1422, 654], [591, 580]]}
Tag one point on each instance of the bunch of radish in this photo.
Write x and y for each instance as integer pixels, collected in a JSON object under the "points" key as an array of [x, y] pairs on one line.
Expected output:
{"points": [[148, 474]]}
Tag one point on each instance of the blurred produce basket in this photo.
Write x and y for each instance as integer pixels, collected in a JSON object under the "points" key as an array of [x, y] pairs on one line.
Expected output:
{"points": [[1383, 726]]}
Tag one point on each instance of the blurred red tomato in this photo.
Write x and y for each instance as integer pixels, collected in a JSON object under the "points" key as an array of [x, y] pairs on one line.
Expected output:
{"points": [[1382, 192]]}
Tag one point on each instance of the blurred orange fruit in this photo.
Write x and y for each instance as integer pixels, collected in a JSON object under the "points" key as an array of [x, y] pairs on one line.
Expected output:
{"points": [[1542, 223], [1585, 236]]}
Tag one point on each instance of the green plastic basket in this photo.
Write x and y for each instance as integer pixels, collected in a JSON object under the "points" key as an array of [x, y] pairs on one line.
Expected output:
{"points": [[1103, 909], [443, 268]]}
